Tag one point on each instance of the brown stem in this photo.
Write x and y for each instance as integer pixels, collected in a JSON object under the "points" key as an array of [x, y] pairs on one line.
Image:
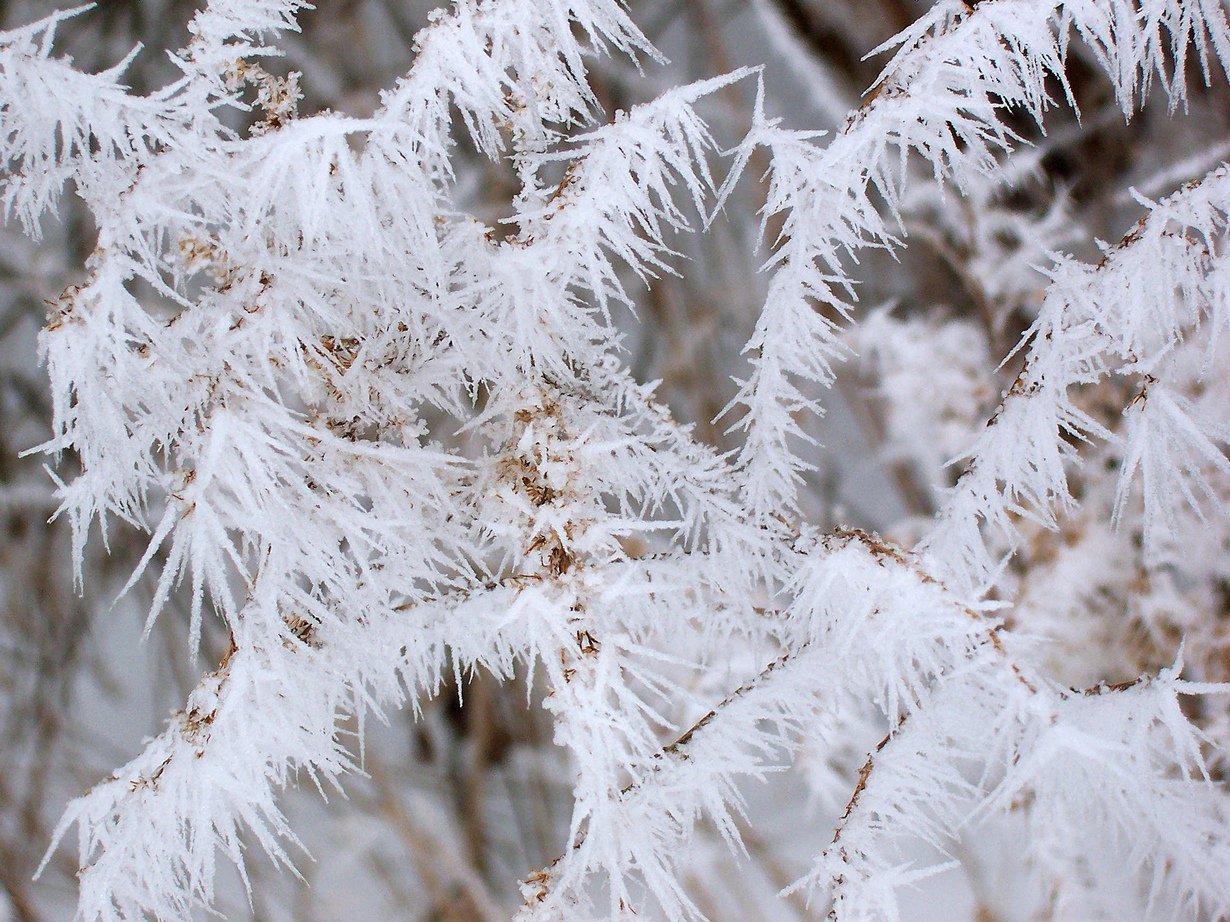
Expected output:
{"points": [[458, 893]]}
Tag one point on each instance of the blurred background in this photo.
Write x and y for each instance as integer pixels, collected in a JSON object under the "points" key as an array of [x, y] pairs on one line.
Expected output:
{"points": [[460, 803]]}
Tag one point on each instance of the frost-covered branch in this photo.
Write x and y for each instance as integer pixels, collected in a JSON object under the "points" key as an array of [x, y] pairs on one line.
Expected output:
{"points": [[941, 98], [391, 446], [1085, 332]]}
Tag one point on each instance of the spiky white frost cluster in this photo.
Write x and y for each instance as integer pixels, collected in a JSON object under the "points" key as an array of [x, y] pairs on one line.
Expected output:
{"points": [[274, 323]]}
